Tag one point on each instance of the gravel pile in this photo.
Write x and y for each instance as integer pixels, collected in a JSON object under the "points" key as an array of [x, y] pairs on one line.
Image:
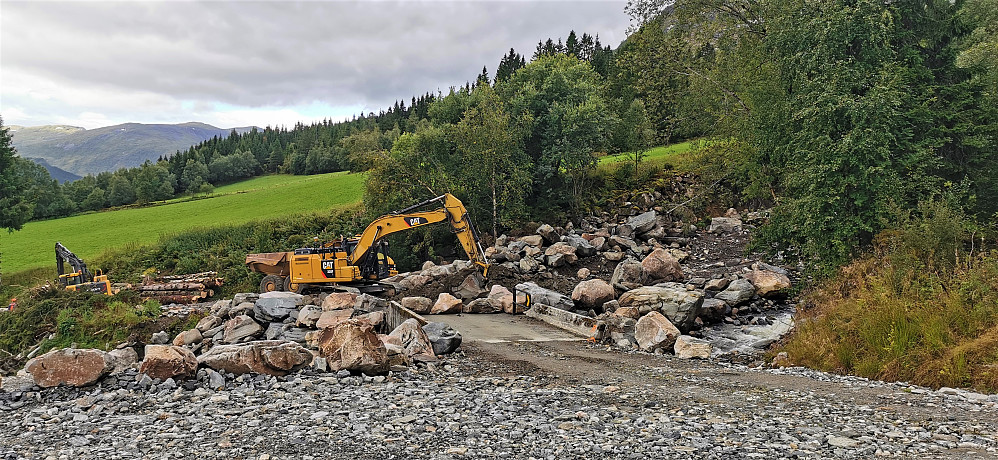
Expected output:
{"points": [[452, 410]]}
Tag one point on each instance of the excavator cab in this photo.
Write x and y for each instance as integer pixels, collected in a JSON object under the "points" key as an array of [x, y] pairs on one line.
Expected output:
{"points": [[70, 279], [81, 279]]}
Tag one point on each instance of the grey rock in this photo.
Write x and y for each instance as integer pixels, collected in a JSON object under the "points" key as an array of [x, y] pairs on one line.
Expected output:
{"points": [[679, 305], [216, 381], [629, 274], [548, 233], [546, 296], [276, 305], [725, 225], [160, 338], [643, 222], [445, 339], [738, 292], [582, 247], [245, 297]]}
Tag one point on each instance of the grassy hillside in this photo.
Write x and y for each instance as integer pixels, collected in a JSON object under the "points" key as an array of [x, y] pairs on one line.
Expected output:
{"points": [[920, 308], [261, 198], [656, 156]]}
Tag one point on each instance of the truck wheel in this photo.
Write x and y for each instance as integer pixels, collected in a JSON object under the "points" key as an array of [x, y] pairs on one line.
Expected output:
{"points": [[297, 288], [271, 283]]}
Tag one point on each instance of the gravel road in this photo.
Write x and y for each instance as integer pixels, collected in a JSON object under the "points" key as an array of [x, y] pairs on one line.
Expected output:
{"points": [[551, 400]]}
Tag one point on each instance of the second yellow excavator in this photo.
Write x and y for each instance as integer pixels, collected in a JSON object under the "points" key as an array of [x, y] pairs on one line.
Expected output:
{"points": [[362, 260]]}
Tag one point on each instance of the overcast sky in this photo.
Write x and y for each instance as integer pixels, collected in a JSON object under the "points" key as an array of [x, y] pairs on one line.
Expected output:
{"points": [[242, 63]]}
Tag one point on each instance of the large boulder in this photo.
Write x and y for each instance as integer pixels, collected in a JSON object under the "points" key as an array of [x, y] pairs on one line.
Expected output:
{"points": [[414, 281], [308, 315], [271, 357], [560, 254], [482, 306], [239, 328], [414, 340], [528, 265], [273, 330], [188, 337], [739, 291], [768, 283], [714, 310], [500, 297], [629, 274], [670, 299], [292, 334], [655, 331], [533, 240], [439, 271], [367, 303], [165, 362], [276, 305], [375, 318], [446, 304], [353, 345], [333, 317], [444, 338], [725, 225], [593, 293], [644, 222], [421, 305], [548, 233], [624, 243], [339, 301], [244, 297], [122, 359], [397, 357], [208, 322], [687, 347], [471, 287], [241, 309], [69, 366], [583, 248], [546, 296], [660, 265]]}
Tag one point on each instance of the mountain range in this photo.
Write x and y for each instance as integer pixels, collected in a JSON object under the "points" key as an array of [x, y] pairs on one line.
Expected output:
{"points": [[82, 151]]}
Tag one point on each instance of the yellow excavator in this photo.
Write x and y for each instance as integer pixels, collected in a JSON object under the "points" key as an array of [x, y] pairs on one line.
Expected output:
{"points": [[361, 261], [80, 279]]}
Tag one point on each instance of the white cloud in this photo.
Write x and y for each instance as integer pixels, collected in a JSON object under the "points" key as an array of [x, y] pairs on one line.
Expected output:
{"points": [[264, 62]]}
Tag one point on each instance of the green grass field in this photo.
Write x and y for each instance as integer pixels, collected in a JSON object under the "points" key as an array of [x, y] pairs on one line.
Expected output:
{"points": [[266, 197], [657, 156]]}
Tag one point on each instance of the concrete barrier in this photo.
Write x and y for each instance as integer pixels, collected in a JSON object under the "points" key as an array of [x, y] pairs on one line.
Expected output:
{"points": [[396, 314], [582, 326]]}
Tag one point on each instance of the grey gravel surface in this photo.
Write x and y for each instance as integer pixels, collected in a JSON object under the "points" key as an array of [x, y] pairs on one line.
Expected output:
{"points": [[539, 400]]}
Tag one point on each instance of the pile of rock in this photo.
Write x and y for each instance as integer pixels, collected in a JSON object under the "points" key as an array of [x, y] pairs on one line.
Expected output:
{"points": [[648, 302], [275, 334]]}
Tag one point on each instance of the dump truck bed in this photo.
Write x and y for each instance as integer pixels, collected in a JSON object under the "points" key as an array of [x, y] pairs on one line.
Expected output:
{"points": [[270, 263]]}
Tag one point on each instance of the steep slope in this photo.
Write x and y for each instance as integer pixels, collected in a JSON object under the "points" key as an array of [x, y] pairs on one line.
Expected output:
{"points": [[58, 174], [90, 151]]}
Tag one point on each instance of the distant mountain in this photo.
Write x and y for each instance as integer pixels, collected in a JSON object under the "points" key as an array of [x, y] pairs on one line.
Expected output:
{"points": [[90, 151], [56, 173]]}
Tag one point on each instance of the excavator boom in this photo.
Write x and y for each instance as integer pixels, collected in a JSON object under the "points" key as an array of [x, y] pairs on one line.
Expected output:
{"points": [[363, 261], [452, 211]]}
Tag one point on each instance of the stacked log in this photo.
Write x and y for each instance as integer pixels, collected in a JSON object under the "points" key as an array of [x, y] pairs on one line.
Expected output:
{"points": [[183, 289]]}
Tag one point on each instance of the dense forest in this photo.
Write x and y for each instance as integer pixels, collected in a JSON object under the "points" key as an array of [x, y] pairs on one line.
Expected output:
{"points": [[840, 113]]}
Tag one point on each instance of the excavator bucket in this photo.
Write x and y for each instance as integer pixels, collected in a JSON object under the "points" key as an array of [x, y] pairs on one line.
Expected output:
{"points": [[269, 263]]}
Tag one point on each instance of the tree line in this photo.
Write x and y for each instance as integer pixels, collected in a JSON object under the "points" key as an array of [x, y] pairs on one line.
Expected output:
{"points": [[838, 112]]}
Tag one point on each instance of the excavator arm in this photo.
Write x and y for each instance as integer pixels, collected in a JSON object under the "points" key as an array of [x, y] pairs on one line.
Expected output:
{"points": [[79, 266], [452, 211]]}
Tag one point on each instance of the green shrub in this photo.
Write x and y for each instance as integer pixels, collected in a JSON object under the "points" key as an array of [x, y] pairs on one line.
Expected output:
{"points": [[922, 307]]}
